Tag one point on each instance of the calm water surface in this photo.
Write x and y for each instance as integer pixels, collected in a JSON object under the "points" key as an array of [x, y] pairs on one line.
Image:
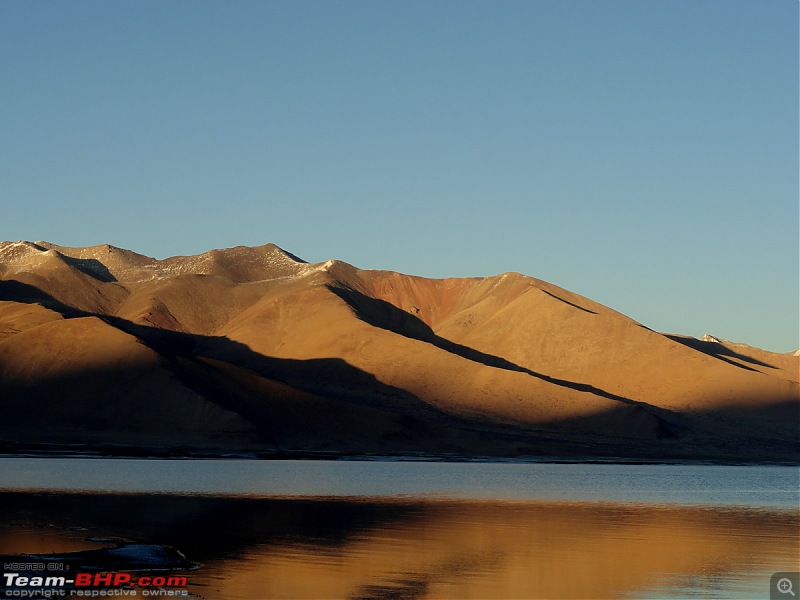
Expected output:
{"points": [[322, 529]]}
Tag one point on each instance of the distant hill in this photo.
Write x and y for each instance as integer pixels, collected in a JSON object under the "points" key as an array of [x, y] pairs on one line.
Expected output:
{"points": [[252, 350]]}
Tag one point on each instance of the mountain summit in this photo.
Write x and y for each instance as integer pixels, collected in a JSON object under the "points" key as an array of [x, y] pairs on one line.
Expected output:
{"points": [[253, 350]]}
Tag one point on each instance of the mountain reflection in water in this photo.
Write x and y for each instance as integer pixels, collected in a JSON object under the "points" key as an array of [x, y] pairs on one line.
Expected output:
{"points": [[251, 548]]}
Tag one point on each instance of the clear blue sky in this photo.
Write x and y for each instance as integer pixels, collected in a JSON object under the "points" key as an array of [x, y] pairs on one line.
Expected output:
{"points": [[641, 153]]}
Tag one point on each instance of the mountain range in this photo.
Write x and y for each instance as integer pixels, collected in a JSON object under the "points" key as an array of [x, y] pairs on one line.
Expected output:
{"points": [[253, 351]]}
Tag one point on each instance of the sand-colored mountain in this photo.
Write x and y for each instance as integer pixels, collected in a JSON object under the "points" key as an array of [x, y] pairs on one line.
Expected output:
{"points": [[254, 350]]}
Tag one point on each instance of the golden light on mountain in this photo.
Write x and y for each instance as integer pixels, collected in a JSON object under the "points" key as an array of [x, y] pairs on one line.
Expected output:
{"points": [[254, 350]]}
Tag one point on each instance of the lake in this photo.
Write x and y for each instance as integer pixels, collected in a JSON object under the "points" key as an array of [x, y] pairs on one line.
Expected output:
{"points": [[414, 529]]}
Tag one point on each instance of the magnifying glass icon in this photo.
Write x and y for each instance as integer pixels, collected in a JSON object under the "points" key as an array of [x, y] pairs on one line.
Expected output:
{"points": [[784, 586]]}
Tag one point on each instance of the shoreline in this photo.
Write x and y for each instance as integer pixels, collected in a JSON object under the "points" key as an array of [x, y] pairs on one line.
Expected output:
{"points": [[128, 453]]}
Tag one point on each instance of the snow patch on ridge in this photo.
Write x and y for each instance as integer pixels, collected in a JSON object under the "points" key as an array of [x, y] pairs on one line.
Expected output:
{"points": [[264, 263], [16, 257], [109, 263], [710, 338], [14, 251]]}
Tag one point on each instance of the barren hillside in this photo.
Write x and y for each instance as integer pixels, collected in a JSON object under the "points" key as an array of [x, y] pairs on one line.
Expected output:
{"points": [[254, 350]]}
